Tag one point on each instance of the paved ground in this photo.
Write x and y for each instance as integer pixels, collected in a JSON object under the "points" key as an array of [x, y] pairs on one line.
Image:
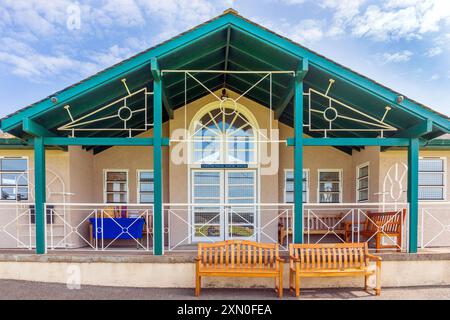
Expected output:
{"points": [[11, 289]]}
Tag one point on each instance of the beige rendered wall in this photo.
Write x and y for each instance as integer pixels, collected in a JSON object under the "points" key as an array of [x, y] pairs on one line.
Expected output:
{"points": [[434, 216], [370, 156], [314, 159], [130, 159], [14, 217]]}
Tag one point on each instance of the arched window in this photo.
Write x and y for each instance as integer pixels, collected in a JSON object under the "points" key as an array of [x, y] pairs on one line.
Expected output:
{"points": [[223, 133]]}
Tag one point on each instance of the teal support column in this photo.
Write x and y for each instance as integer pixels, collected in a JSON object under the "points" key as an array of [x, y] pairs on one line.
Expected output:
{"points": [[158, 216], [413, 193], [298, 152], [40, 194]]}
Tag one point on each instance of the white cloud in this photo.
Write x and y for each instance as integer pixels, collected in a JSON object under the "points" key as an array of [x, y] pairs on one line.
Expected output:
{"points": [[306, 31], [36, 43], [343, 13], [435, 51], [434, 77], [398, 19], [401, 56]]}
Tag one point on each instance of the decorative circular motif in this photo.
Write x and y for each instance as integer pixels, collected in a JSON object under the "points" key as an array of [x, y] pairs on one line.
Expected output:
{"points": [[224, 106], [124, 113], [330, 114], [125, 230], [99, 230]]}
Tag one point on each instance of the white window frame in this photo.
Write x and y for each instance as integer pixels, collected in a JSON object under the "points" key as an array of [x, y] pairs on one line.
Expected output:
{"points": [[105, 194], [307, 184], [138, 183], [358, 178], [444, 186], [27, 172], [341, 183]]}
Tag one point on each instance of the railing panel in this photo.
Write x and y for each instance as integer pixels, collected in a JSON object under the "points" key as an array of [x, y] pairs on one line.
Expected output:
{"points": [[434, 224], [17, 226], [189, 224], [383, 225], [100, 227]]}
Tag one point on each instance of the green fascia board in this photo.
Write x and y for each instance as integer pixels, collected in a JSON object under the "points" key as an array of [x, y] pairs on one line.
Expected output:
{"points": [[251, 29]]}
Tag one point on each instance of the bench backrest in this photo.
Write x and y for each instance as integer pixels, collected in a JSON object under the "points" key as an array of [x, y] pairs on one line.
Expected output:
{"points": [[329, 256], [390, 221], [324, 222], [318, 221], [238, 254]]}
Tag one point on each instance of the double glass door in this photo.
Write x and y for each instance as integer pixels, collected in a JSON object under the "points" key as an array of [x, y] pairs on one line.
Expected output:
{"points": [[224, 205]]}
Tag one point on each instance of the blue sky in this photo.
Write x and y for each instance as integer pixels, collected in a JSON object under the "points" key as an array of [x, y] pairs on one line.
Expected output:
{"points": [[48, 45]]}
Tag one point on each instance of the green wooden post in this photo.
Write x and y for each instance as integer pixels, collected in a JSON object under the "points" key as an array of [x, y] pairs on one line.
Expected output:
{"points": [[413, 193], [158, 224], [40, 194], [298, 152]]}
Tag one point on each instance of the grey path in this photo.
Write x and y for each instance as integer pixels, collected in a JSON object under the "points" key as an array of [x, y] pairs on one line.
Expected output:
{"points": [[11, 289]]}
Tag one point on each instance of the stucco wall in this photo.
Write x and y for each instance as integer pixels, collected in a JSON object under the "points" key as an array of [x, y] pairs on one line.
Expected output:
{"points": [[15, 217], [314, 159], [433, 216]]}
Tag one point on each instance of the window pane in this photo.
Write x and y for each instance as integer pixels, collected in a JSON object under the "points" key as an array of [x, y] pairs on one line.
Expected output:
{"points": [[146, 198], [363, 171], [241, 178], [207, 191], [363, 195], [116, 187], [146, 176], [430, 165], [207, 177], [363, 183], [116, 176], [10, 179], [329, 176], [431, 179], [22, 193], [289, 197], [241, 191], [326, 197], [329, 186], [14, 165], [8, 193], [427, 193], [146, 187]]}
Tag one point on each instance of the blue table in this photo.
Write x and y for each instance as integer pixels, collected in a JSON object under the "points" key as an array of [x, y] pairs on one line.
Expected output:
{"points": [[117, 228]]}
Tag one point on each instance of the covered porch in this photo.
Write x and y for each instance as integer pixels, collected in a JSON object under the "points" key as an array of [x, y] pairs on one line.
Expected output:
{"points": [[232, 61]]}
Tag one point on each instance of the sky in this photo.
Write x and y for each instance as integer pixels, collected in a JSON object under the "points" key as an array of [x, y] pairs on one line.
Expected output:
{"points": [[46, 46]]}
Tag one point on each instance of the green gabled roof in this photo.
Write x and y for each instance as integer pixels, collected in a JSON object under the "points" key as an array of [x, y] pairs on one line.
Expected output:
{"points": [[231, 42]]}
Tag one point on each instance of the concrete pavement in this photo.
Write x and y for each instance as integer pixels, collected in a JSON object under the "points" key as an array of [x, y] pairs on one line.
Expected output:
{"points": [[12, 289]]}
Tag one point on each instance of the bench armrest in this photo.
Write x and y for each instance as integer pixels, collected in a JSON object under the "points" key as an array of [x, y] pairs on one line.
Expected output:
{"points": [[197, 259], [373, 257]]}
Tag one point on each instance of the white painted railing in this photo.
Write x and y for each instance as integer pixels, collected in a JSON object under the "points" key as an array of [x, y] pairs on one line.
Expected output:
{"points": [[81, 226], [17, 228], [434, 224], [383, 225], [188, 224]]}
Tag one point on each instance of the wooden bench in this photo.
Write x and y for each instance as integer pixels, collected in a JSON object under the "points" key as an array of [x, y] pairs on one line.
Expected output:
{"points": [[239, 258], [331, 260], [379, 226], [320, 224]]}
